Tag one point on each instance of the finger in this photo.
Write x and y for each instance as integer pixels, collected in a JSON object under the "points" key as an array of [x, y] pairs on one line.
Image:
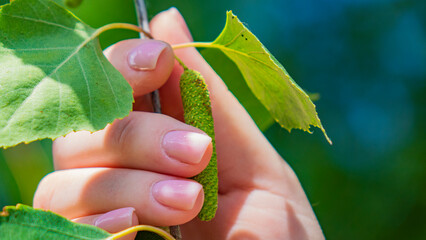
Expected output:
{"points": [[247, 162], [145, 64], [142, 140], [232, 123], [158, 199], [113, 221]]}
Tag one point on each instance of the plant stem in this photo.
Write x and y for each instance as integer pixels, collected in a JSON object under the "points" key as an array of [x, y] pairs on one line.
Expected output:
{"points": [[175, 232], [181, 63], [194, 44], [142, 17], [121, 26], [148, 228]]}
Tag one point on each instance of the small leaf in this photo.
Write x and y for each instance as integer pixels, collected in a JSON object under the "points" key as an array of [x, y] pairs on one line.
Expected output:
{"points": [[54, 78], [25, 223], [233, 79], [267, 78]]}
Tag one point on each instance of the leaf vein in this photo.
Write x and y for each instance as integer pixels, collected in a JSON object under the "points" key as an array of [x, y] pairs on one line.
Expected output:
{"points": [[224, 48], [40, 21], [48, 8], [109, 81], [10, 120], [88, 88], [39, 49], [60, 101], [32, 8], [50, 230], [234, 39]]}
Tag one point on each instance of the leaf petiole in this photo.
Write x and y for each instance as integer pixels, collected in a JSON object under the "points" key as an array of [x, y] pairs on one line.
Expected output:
{"points": [[121, 26], [138, 228], [194, 44]]}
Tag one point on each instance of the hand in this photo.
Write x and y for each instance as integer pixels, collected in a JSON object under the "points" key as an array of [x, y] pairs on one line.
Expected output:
{"points": [[140, 164]]}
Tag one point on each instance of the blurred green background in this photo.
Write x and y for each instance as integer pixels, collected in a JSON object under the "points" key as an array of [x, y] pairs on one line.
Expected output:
{"points": [[366, 59]]}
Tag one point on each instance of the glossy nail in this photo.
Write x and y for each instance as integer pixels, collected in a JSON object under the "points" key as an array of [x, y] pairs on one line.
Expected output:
{"points": [[116, 220], [187, 147], [177, 194], [145, 56]]}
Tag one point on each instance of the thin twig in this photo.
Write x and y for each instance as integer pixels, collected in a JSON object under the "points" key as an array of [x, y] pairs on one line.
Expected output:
{"points": [[144, 24]]}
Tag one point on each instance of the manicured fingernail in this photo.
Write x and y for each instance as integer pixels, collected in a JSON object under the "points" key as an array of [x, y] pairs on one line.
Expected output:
{"points": [[187, 147], [178, 194], [145, 56], [116, 220]]}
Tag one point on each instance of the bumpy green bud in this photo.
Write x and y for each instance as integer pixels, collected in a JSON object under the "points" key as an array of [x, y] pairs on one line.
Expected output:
{"points": [[198, 113]]}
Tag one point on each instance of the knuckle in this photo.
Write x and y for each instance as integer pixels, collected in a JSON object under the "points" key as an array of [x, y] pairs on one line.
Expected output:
{"points": [[121, 132]]}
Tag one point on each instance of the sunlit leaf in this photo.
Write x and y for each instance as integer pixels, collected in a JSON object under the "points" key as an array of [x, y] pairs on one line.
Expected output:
{"points": [[25, 223], [267, 78], [54, 78], [228, 71]]}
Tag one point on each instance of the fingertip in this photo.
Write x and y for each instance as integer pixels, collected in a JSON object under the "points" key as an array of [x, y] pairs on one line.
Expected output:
{"points": [[186, 146], [113, 221], [180, 199], [177, 194], [117, 220], [145, 63], [169, 26]]}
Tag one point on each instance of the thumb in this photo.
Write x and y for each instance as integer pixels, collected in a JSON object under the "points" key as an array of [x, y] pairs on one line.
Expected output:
{"points": [[113, 221]]}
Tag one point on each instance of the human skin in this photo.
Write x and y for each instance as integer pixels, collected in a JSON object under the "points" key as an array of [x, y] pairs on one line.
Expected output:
{"points": [[129, 165]]}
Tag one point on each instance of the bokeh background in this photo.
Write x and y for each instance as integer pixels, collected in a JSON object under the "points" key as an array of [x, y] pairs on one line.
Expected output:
{"points": [[367, 61]]}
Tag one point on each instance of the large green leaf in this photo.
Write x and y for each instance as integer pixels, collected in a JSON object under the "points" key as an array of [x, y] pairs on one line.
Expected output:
{"points": [[23, 222], [54, 78], [267, 78], [26, 223]]}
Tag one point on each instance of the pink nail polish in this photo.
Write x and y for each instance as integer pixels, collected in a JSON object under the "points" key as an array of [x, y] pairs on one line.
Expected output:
{"points": [[177, 194], [116, 220], [187, 147], [145, 56]]}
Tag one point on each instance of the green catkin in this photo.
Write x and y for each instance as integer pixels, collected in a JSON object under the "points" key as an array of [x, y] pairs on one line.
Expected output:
{"points": [[198, 113]]}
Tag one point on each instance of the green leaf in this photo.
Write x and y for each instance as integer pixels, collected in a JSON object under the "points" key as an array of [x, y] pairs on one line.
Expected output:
{"points": [[269, 81], [228, 71], [26, 223], [54, 78], [23, 222]]}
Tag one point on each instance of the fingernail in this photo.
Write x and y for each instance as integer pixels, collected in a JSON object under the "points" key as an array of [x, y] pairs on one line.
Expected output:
{"points": [[116, 220], [145, 56], [178, 194], [187, 147]]}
